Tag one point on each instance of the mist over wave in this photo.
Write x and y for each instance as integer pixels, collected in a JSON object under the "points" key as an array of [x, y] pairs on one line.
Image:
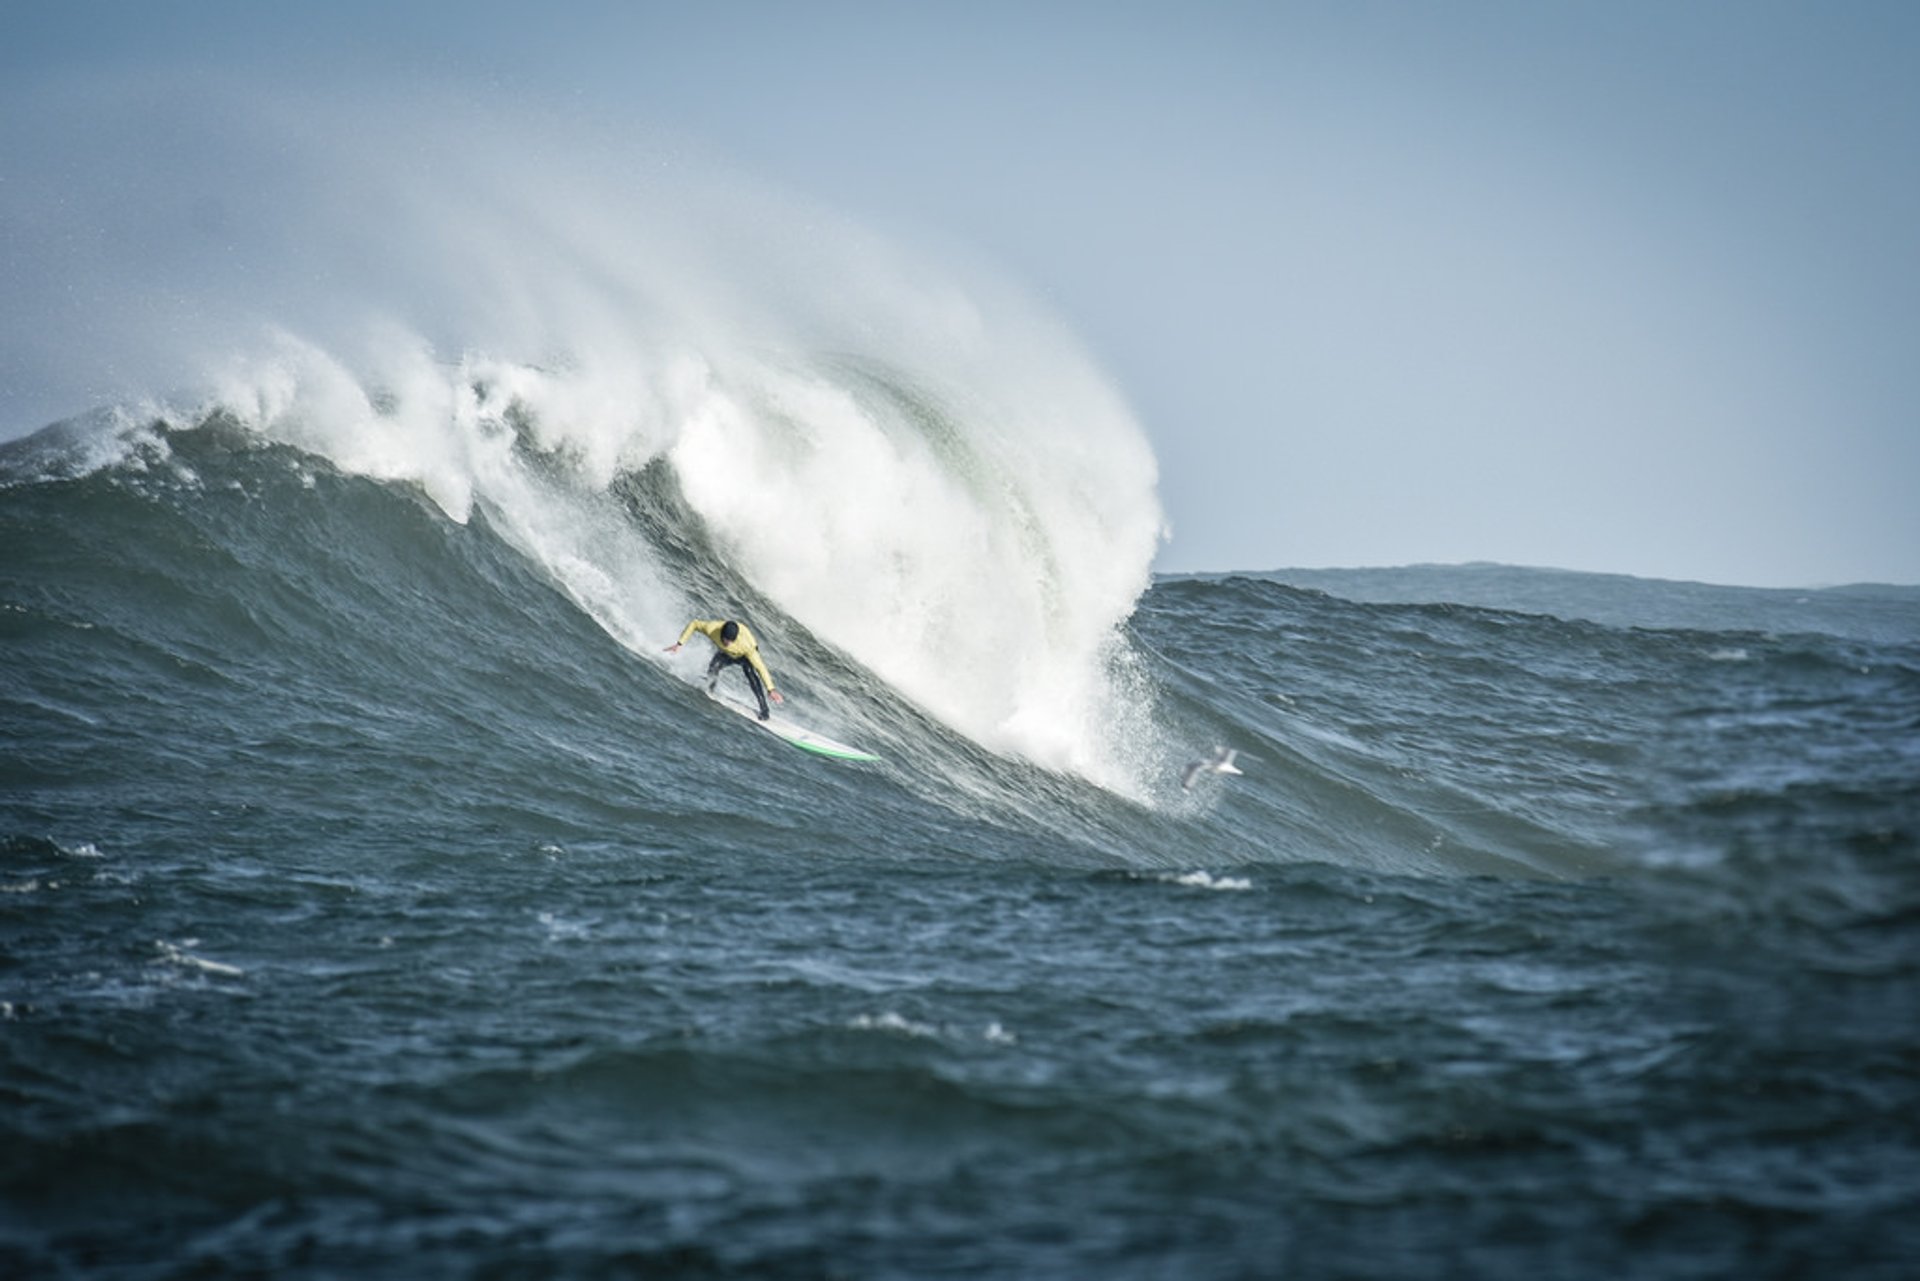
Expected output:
{"points": [[908, 460]]}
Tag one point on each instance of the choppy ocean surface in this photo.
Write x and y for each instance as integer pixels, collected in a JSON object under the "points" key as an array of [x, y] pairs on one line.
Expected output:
{"points": [[377, 900]]}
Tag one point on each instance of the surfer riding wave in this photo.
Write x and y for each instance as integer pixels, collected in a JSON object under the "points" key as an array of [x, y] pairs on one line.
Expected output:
{"points": [[734, 646]]}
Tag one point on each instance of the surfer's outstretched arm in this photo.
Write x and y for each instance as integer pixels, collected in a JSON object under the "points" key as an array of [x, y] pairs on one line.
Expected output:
{"points": [[700, 625]]}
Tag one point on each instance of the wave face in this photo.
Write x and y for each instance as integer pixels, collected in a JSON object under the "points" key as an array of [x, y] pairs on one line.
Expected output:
{"points": [[377, 899], [976, 565]]}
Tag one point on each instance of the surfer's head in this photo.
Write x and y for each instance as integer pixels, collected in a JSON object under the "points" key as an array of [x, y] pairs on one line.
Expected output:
{"points": [[729, 631]]}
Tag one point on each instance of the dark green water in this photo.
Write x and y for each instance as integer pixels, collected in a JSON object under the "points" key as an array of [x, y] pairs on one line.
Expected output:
{"points": [[366, 909]]}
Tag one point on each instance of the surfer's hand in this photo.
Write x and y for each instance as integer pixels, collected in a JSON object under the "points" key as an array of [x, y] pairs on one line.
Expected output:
{"points": [[673, 649], [776, 696]]}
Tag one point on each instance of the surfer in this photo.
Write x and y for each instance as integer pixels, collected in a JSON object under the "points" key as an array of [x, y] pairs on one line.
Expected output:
{"points": [[733, 646]]}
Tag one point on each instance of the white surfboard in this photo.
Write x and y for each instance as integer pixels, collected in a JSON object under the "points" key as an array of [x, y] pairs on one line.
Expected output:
{"points": [[801, 737]]}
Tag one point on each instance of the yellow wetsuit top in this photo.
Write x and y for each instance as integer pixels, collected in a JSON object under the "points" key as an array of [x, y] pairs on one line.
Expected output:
{"points": [[743, 645]]}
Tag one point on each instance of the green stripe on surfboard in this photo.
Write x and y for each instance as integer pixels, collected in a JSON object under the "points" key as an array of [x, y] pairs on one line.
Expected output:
{"points": [[804, 739]]}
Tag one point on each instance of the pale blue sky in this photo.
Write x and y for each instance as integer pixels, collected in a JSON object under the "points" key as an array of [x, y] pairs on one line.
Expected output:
{"points": [[1612, 286]]}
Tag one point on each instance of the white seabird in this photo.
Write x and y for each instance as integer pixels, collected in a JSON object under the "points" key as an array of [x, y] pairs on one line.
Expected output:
{"points": [[1221, 762]]}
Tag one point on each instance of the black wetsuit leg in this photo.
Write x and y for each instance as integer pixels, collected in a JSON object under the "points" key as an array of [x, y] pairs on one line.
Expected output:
{"points": [[723, 660], [753, 683]]}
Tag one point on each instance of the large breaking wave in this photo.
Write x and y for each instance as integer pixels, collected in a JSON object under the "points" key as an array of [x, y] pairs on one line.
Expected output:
{"points": [[904, 457]]}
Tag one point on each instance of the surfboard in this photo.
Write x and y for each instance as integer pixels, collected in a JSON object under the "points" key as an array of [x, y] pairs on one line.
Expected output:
{"points": [[798, 735]]}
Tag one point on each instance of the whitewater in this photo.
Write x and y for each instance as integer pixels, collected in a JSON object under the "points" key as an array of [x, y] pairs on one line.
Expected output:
{"points": [[377, 896]]}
